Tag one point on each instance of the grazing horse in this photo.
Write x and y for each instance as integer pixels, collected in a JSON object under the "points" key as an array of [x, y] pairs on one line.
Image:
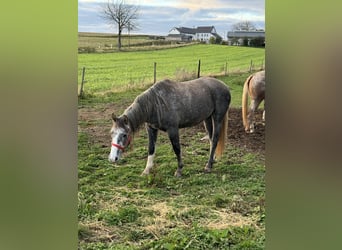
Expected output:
{"points": [[254, 87], [168, 106]]}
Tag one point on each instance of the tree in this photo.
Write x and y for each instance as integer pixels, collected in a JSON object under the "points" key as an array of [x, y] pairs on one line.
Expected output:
{"points": [[121, 15], [244, 25], [218, 40], [215, 40], [257, 42]]}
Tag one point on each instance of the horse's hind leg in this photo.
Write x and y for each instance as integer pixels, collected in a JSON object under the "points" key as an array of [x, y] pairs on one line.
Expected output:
{"points": [[213, 145], [208, 124], [152, 138], [253, 107], [174, 138]]}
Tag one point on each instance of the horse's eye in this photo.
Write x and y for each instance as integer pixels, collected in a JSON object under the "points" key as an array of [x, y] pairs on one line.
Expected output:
{"points": [[124, 135]]}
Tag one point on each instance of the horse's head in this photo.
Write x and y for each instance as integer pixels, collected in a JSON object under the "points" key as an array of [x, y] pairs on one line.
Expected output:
{"points": [[121, 137]]}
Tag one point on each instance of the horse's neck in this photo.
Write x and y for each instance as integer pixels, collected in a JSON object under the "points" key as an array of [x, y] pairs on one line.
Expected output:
{"points": [[137, 115]]}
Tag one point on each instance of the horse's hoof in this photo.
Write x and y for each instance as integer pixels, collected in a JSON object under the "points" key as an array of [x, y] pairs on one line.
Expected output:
{"points": [[144, 173], [205, 138], [178, 174], [207, 169]]}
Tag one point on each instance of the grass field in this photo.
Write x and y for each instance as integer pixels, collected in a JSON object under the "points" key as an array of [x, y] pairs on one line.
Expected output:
{"points": [[119, 71], [118, 208]]}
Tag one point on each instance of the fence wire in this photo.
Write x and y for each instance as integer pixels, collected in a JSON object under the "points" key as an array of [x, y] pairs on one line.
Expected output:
{"points": [[111, 77]]}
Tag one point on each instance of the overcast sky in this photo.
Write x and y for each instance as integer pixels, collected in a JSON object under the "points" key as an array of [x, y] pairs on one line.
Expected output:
{"points": [[157, 17]]}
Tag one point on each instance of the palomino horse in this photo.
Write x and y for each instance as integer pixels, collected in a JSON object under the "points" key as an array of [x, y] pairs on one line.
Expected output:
{"points": [[168, 106], [254, 87]]}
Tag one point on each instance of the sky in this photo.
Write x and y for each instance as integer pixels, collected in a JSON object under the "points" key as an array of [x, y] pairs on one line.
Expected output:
{"points": [[157, 17]]}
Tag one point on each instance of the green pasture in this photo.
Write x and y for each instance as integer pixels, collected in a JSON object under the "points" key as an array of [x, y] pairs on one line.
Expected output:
{"points": [[127, 93], [120, 71], [120, 209]]}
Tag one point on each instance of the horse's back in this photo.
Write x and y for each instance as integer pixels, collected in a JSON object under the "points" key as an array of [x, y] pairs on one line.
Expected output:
{"points": [[191, 102], [207, 81], [208, 88], [213, 85], [199, 88]]}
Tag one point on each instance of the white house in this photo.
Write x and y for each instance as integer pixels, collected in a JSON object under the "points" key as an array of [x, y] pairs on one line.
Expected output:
{"points": [[201, 33]]}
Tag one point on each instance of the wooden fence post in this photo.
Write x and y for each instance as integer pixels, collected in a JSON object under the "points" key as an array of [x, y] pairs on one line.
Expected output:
{"points": [[199, 69], [226, 69], [251, 66], [82, 83], [155, 72]]}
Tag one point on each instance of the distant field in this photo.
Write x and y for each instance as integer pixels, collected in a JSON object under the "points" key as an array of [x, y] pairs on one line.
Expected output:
{"points": [[119, 71], [104, 42]]}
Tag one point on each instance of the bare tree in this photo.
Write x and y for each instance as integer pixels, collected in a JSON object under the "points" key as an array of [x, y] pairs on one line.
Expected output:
{"points": [[121, 15], [244, 25]]}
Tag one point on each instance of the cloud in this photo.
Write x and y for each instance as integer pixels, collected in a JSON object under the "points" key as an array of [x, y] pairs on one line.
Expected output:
{"points": [[158, 17], [88, 8]]}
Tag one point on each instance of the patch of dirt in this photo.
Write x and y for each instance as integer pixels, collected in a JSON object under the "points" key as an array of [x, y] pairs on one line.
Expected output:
{"points": [[97, 122], [253, 142]]}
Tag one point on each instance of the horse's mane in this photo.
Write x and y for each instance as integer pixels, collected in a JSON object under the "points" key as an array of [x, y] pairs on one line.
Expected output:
{"points": [[151, 101]]}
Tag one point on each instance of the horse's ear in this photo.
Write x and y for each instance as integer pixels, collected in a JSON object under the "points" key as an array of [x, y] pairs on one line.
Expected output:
{"points": [[114, 117], [125, 119]]}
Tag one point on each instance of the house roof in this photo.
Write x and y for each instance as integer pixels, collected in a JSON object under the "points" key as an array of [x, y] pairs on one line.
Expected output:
{"points": [[204, 29], [200, 29], [186, 30]]}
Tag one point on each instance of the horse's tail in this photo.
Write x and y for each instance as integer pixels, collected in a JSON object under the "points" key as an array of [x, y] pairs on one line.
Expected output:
{"points": [[245, 102], [223, 136]]}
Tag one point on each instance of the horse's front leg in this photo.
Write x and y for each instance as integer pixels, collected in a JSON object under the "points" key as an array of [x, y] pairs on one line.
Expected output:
{"points": [[152, 138], [174, 138]]}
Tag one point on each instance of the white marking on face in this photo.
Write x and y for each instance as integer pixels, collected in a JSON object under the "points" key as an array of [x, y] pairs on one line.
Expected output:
{"points": [[115, 152]]}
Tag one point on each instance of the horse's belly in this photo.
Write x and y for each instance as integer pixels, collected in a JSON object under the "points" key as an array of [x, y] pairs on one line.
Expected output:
{"points": [[194, 117]]}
